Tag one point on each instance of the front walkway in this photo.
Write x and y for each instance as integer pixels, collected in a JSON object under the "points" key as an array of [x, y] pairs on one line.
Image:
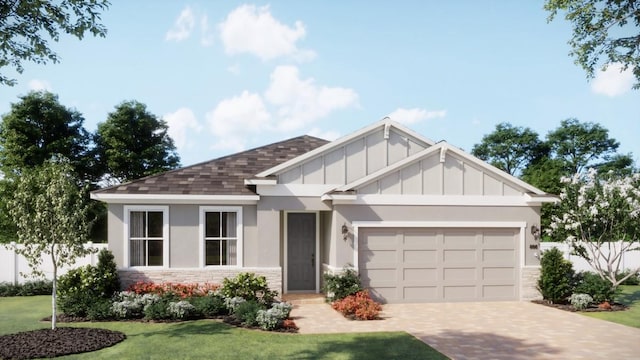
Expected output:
{"points": [[489, 330]]}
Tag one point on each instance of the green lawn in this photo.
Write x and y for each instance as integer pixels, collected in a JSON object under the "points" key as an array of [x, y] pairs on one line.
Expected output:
{"points": [[630, 296], [215, 340]]}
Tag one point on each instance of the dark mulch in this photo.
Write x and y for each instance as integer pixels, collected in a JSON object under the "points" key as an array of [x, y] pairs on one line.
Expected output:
{"points": [[61, 341], [569, 307]]}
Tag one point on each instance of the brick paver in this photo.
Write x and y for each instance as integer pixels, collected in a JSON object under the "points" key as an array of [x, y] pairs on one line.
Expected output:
{"points": [[488, 330]]}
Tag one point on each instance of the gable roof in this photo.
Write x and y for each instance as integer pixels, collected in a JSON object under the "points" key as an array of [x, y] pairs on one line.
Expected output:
{"points": [[222, 176], [386, 123]]}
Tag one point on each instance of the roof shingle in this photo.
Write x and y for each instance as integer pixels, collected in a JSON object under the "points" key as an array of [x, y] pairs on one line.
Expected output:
{"points": [[222, 176]]}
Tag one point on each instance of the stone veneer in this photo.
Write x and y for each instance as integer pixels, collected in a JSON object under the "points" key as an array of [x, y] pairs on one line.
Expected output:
{"points": [[528, 283], [191, 276]]}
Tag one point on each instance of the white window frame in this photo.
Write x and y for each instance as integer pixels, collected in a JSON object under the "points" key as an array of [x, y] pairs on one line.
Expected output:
{"points": [[165, 233], [239, 235]]}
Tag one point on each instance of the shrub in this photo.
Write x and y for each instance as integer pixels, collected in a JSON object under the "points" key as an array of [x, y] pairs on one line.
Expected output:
{"points": [[580, 301], [359, 306], [209, 305], [157, 310], [246, 312], [273, 318], [108, 282], [601, 290], [232, 303], [129, 305], [632, 280], [181, 310], [249, 287], [29, 288], [102, 309], [283, 307], [556, 276], [339, 286]]}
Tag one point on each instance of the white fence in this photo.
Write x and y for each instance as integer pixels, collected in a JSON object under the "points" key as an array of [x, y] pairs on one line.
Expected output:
{"points": [[630, 259], [15, 269]]}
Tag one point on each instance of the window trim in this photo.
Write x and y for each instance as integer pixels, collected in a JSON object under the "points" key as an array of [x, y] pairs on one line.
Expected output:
{"points": [[239, 235], [165, 234]]}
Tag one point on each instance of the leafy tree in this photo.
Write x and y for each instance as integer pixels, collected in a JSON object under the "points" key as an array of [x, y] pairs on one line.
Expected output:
{"points": [[510, 148], [25, 26], [599, 216], [584, 145], [604, 32], [50, 212], [133, 143], [38, 127]]}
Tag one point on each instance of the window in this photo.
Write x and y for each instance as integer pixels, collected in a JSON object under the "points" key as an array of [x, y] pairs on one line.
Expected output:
{"points": [[146, 236], [221, 231]]}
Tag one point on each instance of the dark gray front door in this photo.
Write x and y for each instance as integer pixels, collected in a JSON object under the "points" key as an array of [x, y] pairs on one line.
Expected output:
{"points": [[301, 251]]}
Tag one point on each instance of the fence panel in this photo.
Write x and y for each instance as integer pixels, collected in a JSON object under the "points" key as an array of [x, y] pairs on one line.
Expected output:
{"points": [[630, 260], [15, 269]]}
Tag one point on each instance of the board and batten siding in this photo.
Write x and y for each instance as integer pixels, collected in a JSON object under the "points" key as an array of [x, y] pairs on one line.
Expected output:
{"points": [[355, 159]]}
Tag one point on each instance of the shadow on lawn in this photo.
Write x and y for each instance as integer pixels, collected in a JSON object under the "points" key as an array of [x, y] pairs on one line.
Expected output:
{"points": [[382, 346], [188, 328], [628, 298]]}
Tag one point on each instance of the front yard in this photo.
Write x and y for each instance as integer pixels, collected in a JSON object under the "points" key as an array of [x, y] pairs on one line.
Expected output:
{"points": [[214, 339], [630, 296]]}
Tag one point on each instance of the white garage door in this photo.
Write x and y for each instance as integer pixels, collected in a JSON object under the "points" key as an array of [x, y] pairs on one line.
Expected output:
{"points": [[439, 264]]}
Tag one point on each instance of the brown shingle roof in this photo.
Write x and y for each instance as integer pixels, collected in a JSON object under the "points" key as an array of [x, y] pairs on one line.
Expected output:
{"points": [[222, 176]]}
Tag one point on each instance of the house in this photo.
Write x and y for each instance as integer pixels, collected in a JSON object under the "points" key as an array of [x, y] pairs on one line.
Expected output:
{"points": [[420, 221]]}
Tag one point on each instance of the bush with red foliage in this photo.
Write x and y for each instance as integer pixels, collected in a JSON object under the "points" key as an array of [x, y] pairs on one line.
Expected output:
{"points": [[181, 290], [358, 306]]}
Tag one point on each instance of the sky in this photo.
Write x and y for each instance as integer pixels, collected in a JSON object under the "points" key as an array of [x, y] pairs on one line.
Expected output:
{"points": [[228, 76]]}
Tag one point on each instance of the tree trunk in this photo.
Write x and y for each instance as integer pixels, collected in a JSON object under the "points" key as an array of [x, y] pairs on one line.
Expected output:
{"points": [[54, 293]]}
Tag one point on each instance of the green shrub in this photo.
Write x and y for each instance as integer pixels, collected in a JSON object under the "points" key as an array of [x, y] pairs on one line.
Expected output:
{"points": [[209, 305], [580, 301], [556, 276], [632, 280], [181, 310], [338, 286], [249, 287], [157, 310], [100, 310], [247, 312], [272, 319], [109, 281], [29, 288], [601, 290]]}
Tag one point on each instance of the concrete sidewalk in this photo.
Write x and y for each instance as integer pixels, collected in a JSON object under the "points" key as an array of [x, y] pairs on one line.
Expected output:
{"points": [[487, 330]]}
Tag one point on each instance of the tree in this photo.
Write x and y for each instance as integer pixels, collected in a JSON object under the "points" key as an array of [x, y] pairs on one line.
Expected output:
{"points": [[38, 127], [25, 25], [133, 143], [510, 148], [584, 145], [604, 33], [599, 216], [50, 212]]}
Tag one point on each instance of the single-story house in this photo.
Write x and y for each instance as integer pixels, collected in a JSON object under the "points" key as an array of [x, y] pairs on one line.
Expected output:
{"points": [[420, 221]]}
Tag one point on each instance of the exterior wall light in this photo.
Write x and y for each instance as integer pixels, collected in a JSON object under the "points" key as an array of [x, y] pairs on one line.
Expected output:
{"points": [[345, 232]]}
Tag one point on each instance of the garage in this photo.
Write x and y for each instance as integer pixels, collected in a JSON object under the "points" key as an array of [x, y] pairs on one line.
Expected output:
{"points": [[406, 264]]}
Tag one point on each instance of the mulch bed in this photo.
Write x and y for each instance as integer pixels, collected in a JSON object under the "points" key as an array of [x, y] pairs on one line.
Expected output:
{"points": [[61, 341], [569, 307]]}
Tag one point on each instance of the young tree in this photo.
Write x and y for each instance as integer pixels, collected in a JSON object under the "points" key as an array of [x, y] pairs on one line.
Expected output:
{"points": [[134, 143], [510, 148], [599, 216], [604, 32], [50, 212], [24, 26]]}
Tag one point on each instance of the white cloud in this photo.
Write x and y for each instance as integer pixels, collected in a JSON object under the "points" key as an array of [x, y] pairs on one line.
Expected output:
{"points": [[179, 123], [234, 118], [301, 102], [38, 85], [327, 135], [253, 30], [206, 33], [182, 27], [613, 81], [412, 116]]}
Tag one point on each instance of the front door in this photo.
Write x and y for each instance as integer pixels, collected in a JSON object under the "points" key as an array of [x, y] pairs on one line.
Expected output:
{"points": [[301, 251]]}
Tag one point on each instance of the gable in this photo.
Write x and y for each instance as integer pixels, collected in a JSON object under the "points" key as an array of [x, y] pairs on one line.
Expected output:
{"points": [[353, 157]]}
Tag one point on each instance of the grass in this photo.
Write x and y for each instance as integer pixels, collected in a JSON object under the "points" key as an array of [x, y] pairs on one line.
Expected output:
{"points": [[213, 339], [630, 295]]}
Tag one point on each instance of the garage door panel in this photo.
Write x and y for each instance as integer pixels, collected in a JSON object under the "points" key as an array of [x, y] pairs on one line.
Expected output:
{"points": [[439, 264]]}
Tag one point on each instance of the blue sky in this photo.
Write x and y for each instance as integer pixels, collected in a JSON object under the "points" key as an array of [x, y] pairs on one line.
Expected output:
{"points": [[228, 76]]}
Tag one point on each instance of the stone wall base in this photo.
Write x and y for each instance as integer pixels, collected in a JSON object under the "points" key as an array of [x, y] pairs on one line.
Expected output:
{"points": [[193, 276], [528, 283]]}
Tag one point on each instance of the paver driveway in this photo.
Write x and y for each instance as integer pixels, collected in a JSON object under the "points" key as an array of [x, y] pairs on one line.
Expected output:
{"points": [[489, 330]]}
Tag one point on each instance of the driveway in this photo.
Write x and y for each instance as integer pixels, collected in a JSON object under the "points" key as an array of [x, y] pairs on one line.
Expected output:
{"points": [[488, 330]]}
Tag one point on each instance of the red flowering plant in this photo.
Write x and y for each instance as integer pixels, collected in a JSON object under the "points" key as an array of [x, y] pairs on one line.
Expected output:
{"points": [[358, 306], [180, 290]]}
